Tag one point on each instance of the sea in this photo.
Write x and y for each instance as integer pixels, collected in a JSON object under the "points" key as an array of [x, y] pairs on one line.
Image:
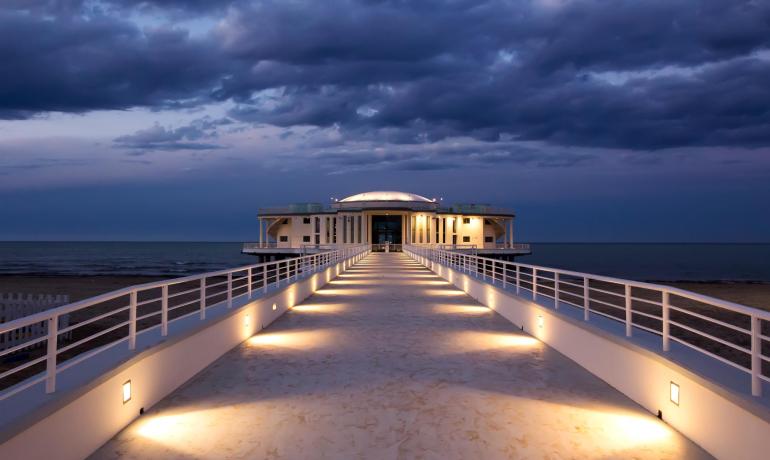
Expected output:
{"points": [[728, 263]]}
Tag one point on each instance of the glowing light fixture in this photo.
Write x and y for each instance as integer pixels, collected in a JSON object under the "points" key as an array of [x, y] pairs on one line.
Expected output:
{"points": [[246, 320], [275, 307], [127, 392], [674, 393], [540, 321]]}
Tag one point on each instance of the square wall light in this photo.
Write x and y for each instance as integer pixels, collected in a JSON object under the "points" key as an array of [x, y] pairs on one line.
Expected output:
{"points": [[246, 320], [127, 392], [540, 321], [674, 393], [275, 307]]}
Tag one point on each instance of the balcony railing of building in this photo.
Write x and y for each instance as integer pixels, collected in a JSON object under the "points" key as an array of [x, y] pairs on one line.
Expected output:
{"points": [[387, 247], [263, 245], [100, 323], [298, 208], [730, 333], [515, 246]]}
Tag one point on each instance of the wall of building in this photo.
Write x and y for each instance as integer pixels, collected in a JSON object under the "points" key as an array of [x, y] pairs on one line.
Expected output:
{"points": [[723, 424], [85, 419], [419, 228]]}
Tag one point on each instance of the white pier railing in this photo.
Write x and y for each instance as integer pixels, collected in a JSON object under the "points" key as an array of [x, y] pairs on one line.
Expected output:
{"points": [[102, 322], [734, 334]]}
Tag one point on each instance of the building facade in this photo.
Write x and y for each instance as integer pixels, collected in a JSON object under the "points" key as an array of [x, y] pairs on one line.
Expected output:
{"points": [[384, 219]]}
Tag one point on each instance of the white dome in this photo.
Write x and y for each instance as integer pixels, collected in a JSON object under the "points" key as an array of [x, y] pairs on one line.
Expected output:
{"points": [[385, 196]]}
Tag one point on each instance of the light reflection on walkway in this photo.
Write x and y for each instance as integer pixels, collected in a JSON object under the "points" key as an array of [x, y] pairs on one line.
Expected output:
{"points": [[391, 361]]}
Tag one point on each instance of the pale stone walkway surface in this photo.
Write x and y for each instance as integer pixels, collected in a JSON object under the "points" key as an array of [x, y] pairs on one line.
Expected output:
{"points": [[390, 361]]}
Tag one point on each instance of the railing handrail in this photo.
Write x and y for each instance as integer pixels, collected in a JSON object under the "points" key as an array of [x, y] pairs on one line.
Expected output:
{"points": [[278, 271], [85, 303], [503, 271], [736, 307]]}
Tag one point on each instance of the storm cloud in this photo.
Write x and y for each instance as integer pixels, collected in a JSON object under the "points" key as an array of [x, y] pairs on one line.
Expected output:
{"points": [[635, 75]]}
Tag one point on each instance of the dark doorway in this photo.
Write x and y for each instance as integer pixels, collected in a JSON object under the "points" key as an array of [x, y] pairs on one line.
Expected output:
{"points": [[386, 229]]}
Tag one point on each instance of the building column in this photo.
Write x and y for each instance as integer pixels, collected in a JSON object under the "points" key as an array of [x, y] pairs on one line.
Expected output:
{"points": [[510, 232], [408, 220], [260, 231], [360, 220], [336, 237]]}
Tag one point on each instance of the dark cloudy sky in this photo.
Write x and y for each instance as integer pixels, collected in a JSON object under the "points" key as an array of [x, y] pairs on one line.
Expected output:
{"points": [[596, 120]]}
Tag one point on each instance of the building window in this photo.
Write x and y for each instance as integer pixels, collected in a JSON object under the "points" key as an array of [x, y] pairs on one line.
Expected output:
{"points": [[466, 220], [285, 222], [306, 239], [283, 238], [488, 239], [466, 239], [305, 220], [487, 222]]}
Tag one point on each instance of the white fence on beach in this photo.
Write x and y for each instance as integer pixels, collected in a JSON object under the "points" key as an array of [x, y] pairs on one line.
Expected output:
{"points": [[16, 305]]}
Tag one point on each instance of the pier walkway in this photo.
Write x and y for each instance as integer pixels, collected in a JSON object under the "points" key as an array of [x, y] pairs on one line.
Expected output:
{"points": [[390, 361]]}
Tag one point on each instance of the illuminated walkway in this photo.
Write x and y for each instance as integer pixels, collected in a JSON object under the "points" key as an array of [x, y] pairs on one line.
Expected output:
{"points": [[389, 361]]}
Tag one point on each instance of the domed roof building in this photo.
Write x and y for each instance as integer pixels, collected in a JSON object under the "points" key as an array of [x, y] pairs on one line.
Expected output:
{"points": [[385, 219], [385, 196]]}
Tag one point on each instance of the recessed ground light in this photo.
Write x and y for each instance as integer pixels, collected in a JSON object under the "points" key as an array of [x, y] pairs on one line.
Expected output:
{"points": [[275, 307], [127, 392], [674, 393]]}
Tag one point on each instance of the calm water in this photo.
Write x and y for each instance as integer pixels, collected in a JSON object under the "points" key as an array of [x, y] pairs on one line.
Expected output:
{"points": [[659, 262]]}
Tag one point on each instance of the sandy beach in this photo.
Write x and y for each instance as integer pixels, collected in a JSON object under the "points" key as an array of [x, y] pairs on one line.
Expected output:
{"points": [[751, 294], [76, 287]]}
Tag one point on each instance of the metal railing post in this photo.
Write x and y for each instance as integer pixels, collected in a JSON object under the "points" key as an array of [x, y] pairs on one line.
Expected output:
{"points": [[629, 317], [230, 290], [51, 354], [132, 321], [534, 284], [518, 279], [248, 283], [264, 278], [203, 298], [586, 299], [665, 320], [505, 273], [164, 310], [756, 360], [556, 290]]}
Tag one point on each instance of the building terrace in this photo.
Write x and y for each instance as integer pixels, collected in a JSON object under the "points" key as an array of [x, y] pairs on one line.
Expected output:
{"points": [[387, 220]]}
